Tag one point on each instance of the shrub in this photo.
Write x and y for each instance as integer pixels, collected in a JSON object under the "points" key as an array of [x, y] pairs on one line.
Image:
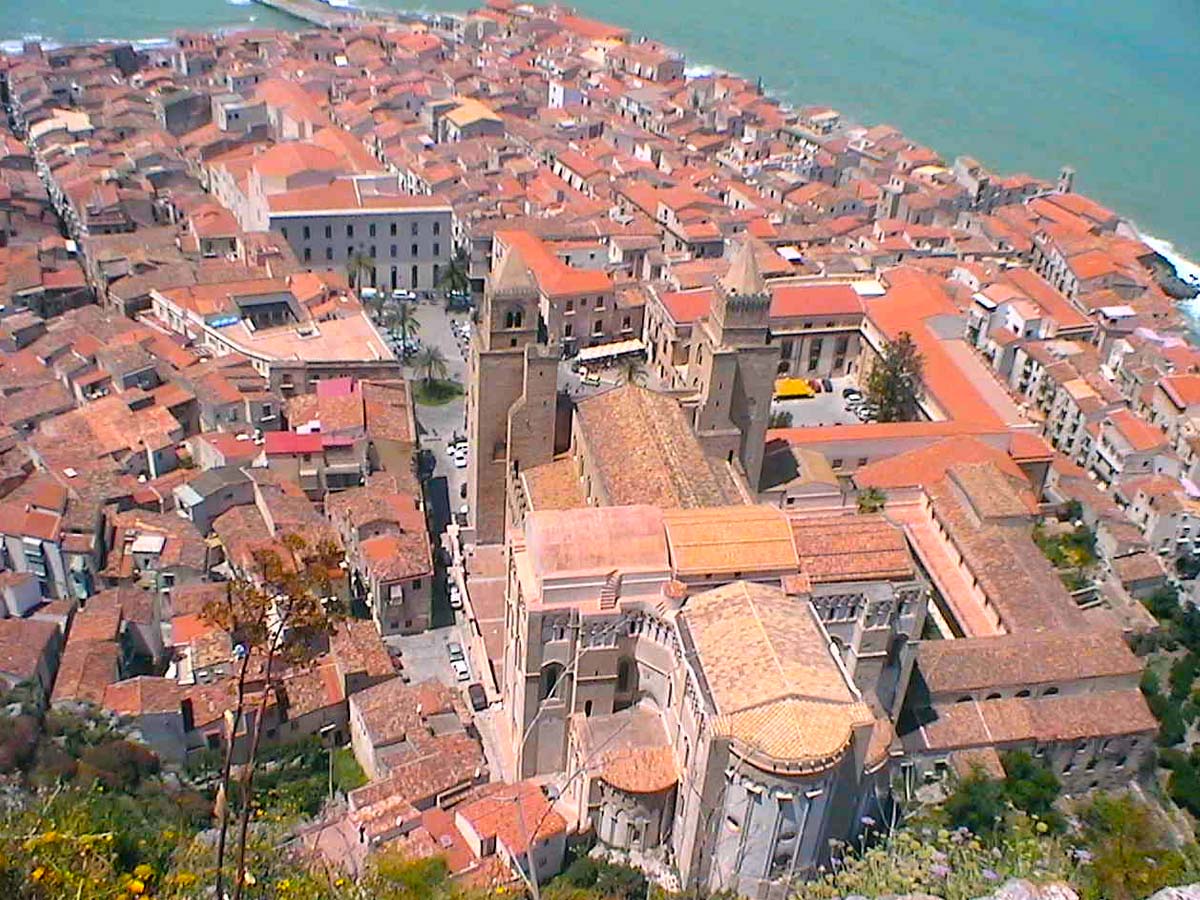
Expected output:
{"points": [[977, 804], [1032, 788]]}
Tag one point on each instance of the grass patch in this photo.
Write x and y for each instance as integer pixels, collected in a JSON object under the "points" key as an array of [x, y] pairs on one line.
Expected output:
{"points": [[437, 392], [347, 773], [1073, 549]]}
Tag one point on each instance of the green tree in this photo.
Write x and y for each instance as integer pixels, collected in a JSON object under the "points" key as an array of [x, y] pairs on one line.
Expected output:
{"points": [[1031, 787], [871, 500], [273, 615], [360, 267], [403, 317], [431, 362], [895, 386], [457, 276], [977, 804], [1131, 856]]}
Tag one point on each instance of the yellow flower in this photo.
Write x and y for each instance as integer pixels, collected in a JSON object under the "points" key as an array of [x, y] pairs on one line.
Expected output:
{"points": [[185, 879], [38, 873], [248, 878], [144, 872], [1042, 827], [341, 882], [136, 887]]}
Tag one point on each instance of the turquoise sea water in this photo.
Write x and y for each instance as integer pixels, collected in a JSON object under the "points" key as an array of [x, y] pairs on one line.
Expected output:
{"points": [[1107, 86]]}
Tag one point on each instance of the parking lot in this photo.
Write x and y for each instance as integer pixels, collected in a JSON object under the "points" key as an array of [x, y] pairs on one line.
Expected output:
{"points": [[825, 408]]}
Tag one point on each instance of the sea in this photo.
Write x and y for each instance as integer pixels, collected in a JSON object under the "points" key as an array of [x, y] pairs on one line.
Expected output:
{"points": [[1108, 87]]}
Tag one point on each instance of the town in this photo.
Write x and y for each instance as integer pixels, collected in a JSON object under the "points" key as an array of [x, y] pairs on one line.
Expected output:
{"points": [[572, 357]]}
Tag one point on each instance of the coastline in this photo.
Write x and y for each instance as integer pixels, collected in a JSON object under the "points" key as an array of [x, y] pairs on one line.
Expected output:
{"points": [[1186, 269]]}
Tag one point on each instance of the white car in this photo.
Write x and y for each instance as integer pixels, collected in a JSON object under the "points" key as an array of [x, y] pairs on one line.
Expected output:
{"points": [[460, 456], [455, 598], [461, 671]]}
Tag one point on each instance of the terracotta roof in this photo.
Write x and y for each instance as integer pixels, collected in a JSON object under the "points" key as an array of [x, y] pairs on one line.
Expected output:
{"points": [[554, 485], [497, 815], [851, 548], [927, 465], [24, 643], [1011, 660], [1140, 435], [397, 556], [628, 538], [772, 678], [142, 695], [1063, 717], [730, 540], [645, 451], [1184, 390]]}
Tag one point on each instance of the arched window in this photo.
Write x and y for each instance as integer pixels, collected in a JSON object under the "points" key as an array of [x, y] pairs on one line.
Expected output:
{"points": [[518, 318], [508, 319], [551, 673]]}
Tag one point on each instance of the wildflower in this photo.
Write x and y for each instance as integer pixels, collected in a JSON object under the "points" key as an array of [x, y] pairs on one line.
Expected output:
{"points": [[939, 856], [1042, 827], [1083, 856], [868, 821], [249, 879], [38, 873], [990, 875], [136, 887], [144, 872], [939, 871], [186, 879], [341, 882]]}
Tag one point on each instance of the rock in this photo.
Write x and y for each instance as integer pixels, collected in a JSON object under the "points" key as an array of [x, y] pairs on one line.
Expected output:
{"points": [[1187, 892], [1019, 889]]}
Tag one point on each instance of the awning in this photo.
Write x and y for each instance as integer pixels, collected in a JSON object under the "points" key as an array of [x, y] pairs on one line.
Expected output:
{"points": [[610, 351]]}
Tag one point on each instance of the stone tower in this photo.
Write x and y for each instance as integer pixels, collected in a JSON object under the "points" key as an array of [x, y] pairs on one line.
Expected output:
{"points": [[1066, 180], [511, 392], [737, 366]]}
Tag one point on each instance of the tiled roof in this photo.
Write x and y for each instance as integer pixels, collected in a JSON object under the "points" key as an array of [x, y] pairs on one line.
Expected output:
{"points": [[1010, 660], [497, 815], [1063, 717], [851, 548], [770, 673], [645, 451], [629, 538], [23, 644], [730, 540], [554, 485]]}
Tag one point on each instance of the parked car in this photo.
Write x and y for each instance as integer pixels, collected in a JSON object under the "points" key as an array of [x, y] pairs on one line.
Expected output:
{"points": [[455, 650], [456, 601], [461, 671], [477, 696], [852, 393]]}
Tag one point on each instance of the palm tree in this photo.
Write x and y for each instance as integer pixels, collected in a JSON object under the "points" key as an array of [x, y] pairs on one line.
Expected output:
{"points": [[404, 317], [359, 267], [432, 363], [376, 306], [872, 500], [456, 276]]}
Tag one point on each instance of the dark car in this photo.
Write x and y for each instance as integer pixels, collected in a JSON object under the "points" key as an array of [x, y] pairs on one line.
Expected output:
{"points": [[477, 696]]}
